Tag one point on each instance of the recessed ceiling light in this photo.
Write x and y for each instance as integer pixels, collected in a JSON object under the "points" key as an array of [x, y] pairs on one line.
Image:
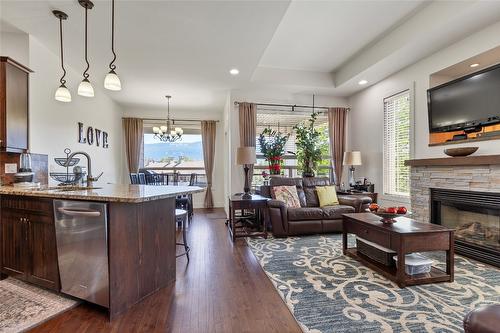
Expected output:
{"points": [[474, 65], [234, 71], [362, 82]]}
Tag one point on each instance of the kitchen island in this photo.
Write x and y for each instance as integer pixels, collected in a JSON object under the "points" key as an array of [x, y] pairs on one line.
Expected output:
{"points": [[139, 238]]}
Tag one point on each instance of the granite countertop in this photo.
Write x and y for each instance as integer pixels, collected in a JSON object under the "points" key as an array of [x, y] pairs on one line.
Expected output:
{"points": [[109, 192]]}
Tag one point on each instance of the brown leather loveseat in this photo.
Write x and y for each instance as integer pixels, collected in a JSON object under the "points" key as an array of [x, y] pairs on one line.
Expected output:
{"points": [[309, 218]]}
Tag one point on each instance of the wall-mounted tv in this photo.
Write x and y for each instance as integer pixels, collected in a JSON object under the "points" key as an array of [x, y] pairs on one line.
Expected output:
{"points": [[467, 103]]}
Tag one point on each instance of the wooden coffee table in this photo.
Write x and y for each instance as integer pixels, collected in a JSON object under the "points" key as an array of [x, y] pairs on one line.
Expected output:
{"points": [[405, 236]]}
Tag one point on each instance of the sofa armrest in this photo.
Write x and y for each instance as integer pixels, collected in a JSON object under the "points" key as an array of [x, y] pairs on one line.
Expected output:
{"points": [[354, 201], [278, 216]]}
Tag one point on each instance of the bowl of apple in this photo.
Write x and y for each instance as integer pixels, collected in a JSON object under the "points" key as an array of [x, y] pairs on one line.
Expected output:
{"points": [[388, 215]]}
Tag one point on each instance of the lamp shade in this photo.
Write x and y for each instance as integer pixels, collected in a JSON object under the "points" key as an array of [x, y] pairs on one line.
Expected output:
{"points": [[85, 89], [63, 94], [112, 81], [352, 158], [245, 155]]}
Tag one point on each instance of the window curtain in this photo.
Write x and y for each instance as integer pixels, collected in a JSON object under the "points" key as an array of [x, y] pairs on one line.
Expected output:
{"points": [[337, 118], [134, 142], [208, 131], [248, 123]]}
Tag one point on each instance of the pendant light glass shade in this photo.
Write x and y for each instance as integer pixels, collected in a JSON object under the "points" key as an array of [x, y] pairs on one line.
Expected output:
{"points": [[62, 94], [112, 81], [85, 89]]}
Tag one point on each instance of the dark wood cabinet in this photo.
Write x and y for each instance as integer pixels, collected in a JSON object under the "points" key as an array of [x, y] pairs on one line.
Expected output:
{"points": [[28, 241], [14, 105], [43, 269], [14, 240]]}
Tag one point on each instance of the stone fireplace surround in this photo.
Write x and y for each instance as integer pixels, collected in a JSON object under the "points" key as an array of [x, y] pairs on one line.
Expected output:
{"points": [[473, 174], [480, 178]]}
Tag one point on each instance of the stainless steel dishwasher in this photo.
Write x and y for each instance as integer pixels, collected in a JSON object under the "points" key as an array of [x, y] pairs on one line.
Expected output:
{"points": [[82, 249]]}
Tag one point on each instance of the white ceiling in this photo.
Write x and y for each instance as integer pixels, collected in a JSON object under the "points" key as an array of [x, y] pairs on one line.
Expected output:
{"points": [[319, 36], [186, 48], [181, 48]]}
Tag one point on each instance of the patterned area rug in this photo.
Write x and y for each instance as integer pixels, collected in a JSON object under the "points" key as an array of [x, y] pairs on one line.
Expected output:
{"points": [[24, 306], [329, 292]]}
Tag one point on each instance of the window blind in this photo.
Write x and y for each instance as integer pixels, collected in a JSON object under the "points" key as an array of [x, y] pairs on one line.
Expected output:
{"points": [[397, 144]]}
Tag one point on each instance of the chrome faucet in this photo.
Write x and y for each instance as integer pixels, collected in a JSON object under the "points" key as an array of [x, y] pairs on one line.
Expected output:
{"points": [[90, 178]]}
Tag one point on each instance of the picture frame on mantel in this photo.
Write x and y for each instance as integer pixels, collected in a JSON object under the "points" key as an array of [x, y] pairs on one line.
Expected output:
{"points": [[458, 70]]}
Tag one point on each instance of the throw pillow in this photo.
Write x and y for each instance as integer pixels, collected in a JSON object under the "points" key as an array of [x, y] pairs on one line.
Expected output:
{"points": [[287, 194], [327, 196]]}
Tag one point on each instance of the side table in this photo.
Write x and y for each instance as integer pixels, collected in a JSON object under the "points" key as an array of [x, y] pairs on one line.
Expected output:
{"points": [[236, 224]]}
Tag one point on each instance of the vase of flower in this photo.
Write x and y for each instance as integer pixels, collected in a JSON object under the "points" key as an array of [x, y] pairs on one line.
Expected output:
{"points": [[272, 146]]}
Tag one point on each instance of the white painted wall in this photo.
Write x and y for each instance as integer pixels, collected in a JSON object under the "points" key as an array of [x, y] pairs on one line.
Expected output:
{"points": [[366, 117], [54, 125], [218, 176], [263, 96], [15, 45]]}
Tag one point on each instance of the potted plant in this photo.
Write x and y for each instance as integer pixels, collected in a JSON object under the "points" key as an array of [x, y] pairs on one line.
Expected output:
{"points": [[272, 146], [309, 146]]}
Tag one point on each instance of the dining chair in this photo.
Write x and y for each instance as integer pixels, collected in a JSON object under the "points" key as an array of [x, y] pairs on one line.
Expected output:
{"points": [[141, 178], [134, 179]]}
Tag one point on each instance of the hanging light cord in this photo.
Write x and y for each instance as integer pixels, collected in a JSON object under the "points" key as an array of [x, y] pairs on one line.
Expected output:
{"points": [[62, 80], [112, 66], [85, 74]]}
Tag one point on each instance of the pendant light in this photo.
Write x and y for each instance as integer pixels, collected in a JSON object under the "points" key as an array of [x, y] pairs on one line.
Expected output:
{"points": [[85, 88], [112, 81], [62, 93], [168, 133]]}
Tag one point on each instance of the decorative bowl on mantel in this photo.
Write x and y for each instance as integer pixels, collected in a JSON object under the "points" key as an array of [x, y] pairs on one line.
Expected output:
{"points": [[464, 151]]}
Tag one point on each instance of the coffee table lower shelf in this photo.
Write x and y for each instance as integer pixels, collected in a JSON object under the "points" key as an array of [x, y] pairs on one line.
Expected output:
{"points": [[435, 275]]}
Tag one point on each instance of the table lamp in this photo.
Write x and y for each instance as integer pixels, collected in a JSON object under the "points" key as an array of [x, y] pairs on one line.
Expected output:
{"points": [[352, 158], [246, 156]]}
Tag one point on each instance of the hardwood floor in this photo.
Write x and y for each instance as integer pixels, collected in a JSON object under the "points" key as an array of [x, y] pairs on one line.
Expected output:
{"points": [[223, 289]]}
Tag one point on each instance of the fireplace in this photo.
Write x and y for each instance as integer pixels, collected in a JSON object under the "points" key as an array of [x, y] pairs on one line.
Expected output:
{"points": [[475, 216]]}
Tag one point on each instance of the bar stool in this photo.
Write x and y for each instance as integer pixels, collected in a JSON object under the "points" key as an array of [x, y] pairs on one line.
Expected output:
{"points": [[181, 218]]}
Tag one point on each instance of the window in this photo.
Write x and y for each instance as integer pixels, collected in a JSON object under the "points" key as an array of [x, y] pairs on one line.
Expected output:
{"points": [[397, 144], [284, 121], [182, 157]]}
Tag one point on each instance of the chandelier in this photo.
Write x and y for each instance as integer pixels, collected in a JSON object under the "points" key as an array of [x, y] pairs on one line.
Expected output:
{"points": [[168, 133]]}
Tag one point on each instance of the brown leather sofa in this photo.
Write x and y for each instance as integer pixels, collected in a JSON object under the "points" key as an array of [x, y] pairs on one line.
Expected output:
{"points": [[309, 218]]}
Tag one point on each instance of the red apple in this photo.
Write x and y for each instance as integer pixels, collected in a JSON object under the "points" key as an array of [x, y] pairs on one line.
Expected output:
{"points": [[402, 210], [391, 210], [374, 207]]}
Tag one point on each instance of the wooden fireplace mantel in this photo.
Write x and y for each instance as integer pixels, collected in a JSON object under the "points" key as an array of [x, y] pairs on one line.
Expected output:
{"points": [[453, 161]]}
